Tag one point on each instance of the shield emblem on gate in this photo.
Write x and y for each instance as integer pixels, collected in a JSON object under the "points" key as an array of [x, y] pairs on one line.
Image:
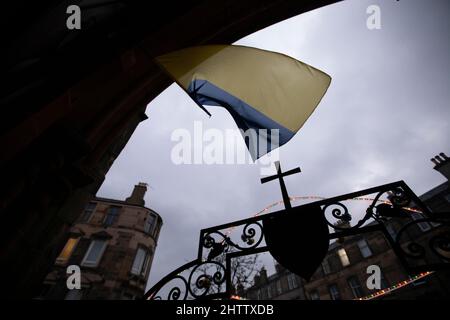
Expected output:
{"points": [[298, 239]]}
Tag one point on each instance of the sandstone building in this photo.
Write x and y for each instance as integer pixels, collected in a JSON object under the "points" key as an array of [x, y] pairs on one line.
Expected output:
{"points": [[113, 243]]}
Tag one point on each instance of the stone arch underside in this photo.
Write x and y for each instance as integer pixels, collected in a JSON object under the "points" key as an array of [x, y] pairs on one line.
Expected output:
{"points": [[75, 97]]}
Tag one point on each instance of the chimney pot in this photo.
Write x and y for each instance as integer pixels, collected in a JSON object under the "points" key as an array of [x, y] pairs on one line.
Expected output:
{"points": [[442, 165], [439, 159]]}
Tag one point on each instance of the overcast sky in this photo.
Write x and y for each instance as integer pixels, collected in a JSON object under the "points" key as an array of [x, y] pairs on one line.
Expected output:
{"points": [[385, 114]]}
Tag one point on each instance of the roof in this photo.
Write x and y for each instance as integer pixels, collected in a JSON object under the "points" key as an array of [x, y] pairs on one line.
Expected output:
{"points": [[435, 191], [122, 202]]}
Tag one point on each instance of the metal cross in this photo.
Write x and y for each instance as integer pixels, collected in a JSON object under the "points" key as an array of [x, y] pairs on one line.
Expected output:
{"points": [[280, 175]]}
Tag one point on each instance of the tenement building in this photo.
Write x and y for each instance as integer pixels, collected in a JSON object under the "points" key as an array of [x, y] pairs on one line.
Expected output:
{"points": [[113, 244], [343, 273]]}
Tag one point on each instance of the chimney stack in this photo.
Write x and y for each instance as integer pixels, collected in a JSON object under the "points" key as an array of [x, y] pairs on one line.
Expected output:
{"points": [[263, 275], [442, 164], [137, 197], [342, 224], [257, 280], [279, 268]]}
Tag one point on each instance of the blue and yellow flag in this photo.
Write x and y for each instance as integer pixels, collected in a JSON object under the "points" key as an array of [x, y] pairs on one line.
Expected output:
{"points": [[261, 89]]}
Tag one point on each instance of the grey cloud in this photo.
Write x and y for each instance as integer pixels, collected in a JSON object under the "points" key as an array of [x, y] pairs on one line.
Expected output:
{"points": [[385, 114]]}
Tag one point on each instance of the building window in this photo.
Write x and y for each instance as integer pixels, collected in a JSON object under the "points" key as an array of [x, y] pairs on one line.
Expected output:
{"points": [[391, 230], [314, 295], [292, 281], [326, 267], [423, 226], [150, 224], [74, 294], [94, 253], [384, 283], [111, 215], [278, 285], [263, 293], [141, 262], [435, 224], [420, 282], [273, 289], [67, 251], [355, 286], [334, 292], [343, 257], [158, 229], [87, 213], [364, 248]]}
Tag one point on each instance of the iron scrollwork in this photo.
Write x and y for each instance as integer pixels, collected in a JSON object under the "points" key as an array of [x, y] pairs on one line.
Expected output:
{"points": [[438, 244], [340, 212], [204, 282], [252, 235], [217, 248], [199, 282]]}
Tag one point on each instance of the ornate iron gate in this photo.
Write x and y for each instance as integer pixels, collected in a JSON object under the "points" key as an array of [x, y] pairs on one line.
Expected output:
{"points": [[283, 232]]}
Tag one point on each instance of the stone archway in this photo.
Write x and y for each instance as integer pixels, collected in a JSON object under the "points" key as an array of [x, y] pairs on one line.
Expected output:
{"points": [[74, 99]]}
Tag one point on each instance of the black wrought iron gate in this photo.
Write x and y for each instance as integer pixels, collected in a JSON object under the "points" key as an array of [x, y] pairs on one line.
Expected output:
{"points": [[212, 267]]}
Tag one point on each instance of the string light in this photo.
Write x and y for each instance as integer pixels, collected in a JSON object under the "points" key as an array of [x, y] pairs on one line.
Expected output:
{"points": [[369, 297], [373, 295], [296, 198], [397, 286]]}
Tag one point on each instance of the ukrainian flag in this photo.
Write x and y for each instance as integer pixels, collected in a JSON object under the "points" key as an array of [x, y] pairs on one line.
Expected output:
{"points": [[261, 89]]}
